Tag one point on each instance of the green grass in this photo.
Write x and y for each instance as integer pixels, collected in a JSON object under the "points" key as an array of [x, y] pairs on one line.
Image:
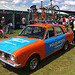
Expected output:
{"points": [[15, 33], [59, 63]]}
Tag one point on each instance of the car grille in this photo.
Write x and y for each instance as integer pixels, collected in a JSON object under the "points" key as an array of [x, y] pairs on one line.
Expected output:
{"points": [[6, 56]]}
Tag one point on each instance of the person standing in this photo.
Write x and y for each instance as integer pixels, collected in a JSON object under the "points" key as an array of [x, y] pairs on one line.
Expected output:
{"points": [[67, 22], [61, 20], [74, 29], [64, 22], [3, 20], [71, 23], [24, 22], [3, 24]]}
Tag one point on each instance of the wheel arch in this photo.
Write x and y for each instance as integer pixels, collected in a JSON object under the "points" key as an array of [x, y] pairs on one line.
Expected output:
{"points": [[65, 42], [34, 54]]}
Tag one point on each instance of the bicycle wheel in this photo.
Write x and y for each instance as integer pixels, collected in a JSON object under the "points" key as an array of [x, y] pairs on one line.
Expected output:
{"points": [[56, 13], [1, 34], [56, 10]]}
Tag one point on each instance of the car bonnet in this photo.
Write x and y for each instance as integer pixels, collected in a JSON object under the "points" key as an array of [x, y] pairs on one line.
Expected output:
{"points": [[12, 44]]}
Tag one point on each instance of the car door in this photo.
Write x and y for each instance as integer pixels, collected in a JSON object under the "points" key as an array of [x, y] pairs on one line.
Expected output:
{"points": [[60, 37], [54, 40], [49, 41]]}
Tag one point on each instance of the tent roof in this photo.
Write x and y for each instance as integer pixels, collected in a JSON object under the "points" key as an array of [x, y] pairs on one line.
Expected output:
{"points": [[13, 8]]}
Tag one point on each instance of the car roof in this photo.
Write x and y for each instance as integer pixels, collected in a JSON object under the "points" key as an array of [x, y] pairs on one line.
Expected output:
{"points": [[44, 25]]}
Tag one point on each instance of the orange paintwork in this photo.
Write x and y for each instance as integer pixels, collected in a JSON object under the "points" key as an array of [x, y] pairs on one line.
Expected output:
{"points": [[38, 47]]}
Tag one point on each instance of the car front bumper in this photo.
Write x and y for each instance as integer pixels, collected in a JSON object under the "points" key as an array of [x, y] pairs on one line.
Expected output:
{"points": [[9, 63]]}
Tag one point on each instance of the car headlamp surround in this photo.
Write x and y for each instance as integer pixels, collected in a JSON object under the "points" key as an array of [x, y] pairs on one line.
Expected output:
{"points": [[3, 54], [11, 56]]}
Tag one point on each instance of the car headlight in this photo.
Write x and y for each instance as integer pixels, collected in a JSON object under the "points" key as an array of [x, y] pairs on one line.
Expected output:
{"points": [[13, 58], [8, 56], [3, 55]]}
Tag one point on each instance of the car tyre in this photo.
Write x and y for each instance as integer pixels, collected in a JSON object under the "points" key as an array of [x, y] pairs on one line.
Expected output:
{"points": [[32, 63], [66, 45]]}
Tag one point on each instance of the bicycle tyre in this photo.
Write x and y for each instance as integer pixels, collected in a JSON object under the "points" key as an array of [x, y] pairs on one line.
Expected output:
{"points": [[56, 13], [2, 34], [56, 9]]}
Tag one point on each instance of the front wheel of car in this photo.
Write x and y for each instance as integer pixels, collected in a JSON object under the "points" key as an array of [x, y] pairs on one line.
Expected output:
{"points": [[32, 63], [66, 46]]}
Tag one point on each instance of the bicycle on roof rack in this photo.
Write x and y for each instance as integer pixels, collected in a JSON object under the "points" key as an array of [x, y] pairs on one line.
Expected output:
{"points": [[45, 16], [55, 12]]}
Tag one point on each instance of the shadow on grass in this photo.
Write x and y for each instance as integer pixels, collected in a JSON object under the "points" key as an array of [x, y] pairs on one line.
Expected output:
{"points": [[43, 63]]}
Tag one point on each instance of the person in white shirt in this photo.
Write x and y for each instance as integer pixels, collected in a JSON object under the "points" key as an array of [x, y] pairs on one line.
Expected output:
{"points": [[74, 29], [24, 22]]}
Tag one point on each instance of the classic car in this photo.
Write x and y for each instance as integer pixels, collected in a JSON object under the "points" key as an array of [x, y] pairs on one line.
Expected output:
{"points": [[34, 43]]}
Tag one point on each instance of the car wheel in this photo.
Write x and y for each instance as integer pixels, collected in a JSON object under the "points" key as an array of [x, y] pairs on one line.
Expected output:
{"points": [[32, 63], [66, 46]]}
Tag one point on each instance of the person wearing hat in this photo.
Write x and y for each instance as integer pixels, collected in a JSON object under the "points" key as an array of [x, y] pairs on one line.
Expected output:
{"points": [[3, 23], [3, 20]]}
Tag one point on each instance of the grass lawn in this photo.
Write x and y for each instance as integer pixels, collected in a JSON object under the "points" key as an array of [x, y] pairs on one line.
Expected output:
{"points": [[59, 63]]}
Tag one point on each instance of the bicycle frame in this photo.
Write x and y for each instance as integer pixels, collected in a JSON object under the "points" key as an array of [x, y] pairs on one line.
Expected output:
{"points": [[43, 16]]}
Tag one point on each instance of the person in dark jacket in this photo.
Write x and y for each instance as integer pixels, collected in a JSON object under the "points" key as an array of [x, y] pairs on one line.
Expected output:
{"points": [[74, 29], [71, 23]]}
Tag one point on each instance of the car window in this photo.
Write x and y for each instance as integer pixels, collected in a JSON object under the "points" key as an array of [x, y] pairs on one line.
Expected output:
{"points": [[58, 30], [50, 33], [33, 32]]}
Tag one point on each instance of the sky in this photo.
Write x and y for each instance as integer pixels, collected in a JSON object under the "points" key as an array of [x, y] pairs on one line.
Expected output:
{"points": [[63, 4]]}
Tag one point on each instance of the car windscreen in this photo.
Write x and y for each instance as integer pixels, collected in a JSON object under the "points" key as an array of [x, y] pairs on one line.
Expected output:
{"points": [[33, 32]]}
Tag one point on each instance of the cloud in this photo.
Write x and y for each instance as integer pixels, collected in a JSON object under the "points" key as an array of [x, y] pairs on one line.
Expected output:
{"points": [[69, 2], [38, 1], [56, 3], [24, 2], [3, 2], [63, 4], [17, 1], [14, 2], [58, 0], [68, 5], [69, 8]]}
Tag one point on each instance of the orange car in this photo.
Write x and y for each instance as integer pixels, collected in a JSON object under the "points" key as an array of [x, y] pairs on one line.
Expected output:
{"points": [[34, 43]]}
